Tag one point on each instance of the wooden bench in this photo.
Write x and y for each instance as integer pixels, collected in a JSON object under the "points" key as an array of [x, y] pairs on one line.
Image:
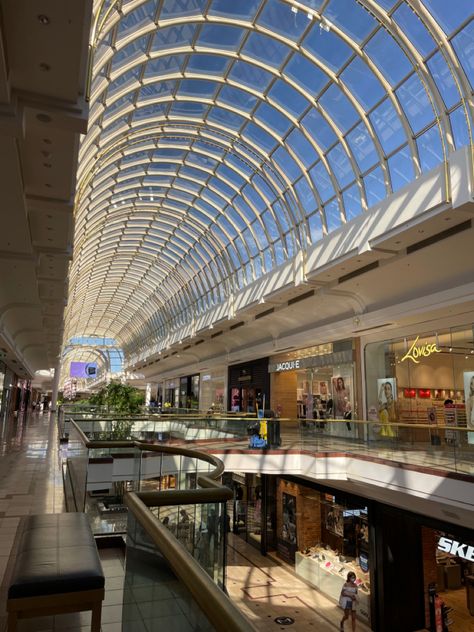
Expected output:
{"points": [[57, 570]]}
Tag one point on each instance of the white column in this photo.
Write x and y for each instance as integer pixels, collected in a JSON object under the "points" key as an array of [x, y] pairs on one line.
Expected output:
{"points": [[54, 394]]}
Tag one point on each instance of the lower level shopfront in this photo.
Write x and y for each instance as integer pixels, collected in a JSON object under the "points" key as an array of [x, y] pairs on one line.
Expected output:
{"points": [[410, 575]]}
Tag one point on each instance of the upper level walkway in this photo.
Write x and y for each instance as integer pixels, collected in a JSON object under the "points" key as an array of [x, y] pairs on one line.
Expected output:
{"points": [[31, 482]]}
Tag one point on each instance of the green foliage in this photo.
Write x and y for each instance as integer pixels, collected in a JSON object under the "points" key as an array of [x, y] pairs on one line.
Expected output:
{"points": [[119, 398]]}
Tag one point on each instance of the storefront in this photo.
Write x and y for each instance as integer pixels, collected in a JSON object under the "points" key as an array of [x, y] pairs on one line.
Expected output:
{"points": [[213, 390], [325, 534], [449, 579], [182, 392], [315, 383], [425, 378], [249, 387], [252, 512]]}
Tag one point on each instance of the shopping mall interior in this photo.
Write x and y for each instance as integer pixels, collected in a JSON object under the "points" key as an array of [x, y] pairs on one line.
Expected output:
{"points": [[237, 314]]}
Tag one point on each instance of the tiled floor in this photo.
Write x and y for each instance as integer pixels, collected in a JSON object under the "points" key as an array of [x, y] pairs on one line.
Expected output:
{"points": [[31, 482], [264, 590]]}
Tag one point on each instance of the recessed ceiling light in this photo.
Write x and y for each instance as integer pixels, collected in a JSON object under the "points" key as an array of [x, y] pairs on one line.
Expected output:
{"points": [[43, 118], [43, 19]]}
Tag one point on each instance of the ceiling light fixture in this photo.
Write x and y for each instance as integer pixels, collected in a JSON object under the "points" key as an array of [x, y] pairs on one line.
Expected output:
{"points": [[43, 19]]}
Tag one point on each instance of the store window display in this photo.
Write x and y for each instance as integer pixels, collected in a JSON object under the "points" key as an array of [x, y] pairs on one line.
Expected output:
{"points": [[455, 581], [343, 548], [424, 379]]}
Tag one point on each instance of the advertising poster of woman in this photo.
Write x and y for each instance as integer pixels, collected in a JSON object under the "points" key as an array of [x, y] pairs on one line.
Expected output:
{"points": [[335, 520], [469, 399], [387, 406], [342, 396], [288, 530]]}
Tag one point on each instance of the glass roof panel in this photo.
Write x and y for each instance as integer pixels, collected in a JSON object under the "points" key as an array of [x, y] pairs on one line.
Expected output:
{"points": [[288, 98], [430, 149], [414, 100], [374, 184], [257, 135], [327, 47], [388, 125], [444, 79], [182, 8], [464, 46], [306, 74], [301, 147], [223, 117], [257, 128], [287, 164], [171, 37], [238, 10], [333, 215], [338, 106], [401, 168], [284, 19], [352, 202], [273, 118], [163, 65], [250, 75], [237, 98], [388, 56], [322, 181], [305, 195], [459, 127], [319, 129], [341, 166], [266, 49], [220, 36], [315, 227], [449, 14], [411, 24], [362, 146], [363, 83], [351, 17]]}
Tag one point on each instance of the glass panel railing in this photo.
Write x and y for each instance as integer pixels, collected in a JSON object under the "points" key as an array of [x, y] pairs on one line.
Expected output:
{"points": [[77, 464], [164, 584], [154, 598], [445, 447]]}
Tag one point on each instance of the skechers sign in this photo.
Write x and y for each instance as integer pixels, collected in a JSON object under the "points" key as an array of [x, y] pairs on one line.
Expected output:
{"points": [[456, 548], [415, 352]]}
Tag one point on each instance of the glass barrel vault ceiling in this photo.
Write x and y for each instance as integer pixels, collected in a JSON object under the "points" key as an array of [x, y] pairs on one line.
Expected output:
{"points": [[226, 135]]}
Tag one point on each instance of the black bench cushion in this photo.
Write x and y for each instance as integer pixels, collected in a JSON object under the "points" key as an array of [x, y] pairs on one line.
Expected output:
{"points": [[57, 554]]}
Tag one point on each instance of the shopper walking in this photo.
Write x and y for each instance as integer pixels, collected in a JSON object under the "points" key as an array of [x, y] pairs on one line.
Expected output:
{"points": [[348, 600]]}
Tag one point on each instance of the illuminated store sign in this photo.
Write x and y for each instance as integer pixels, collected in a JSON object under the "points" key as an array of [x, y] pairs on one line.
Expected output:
{"points": [[456, 548], [420, 351], [291, 365]]}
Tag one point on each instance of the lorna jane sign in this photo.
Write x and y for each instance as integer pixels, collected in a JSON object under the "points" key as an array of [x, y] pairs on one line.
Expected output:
{"points": [[416, 351], [456, 548]]}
